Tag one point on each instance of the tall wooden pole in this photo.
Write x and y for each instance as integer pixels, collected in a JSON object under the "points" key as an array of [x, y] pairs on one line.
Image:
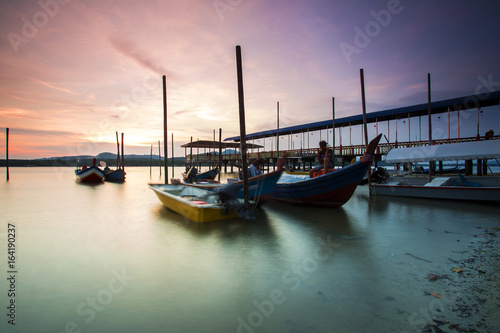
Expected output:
{"points": [[429, 112], [363, 101], [278, 128], [118, 152], [165, 137], [172, 155], [7, 151], [123, 154], [191, 153], [151, 162], [243, 139], [220, 154], [333, 135], [361, 74], [159, 156]]}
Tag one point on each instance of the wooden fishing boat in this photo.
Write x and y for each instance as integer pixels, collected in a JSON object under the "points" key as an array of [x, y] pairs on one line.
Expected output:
{"points": [[91, 174], [116, 176], [196, 204], [451, 187], [192, 176], [332, 189], [259, 187]]}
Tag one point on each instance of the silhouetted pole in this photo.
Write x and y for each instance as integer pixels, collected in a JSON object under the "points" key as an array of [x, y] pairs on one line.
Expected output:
{"points": [[117, 152], [165, 137], [278, 129], [429, 112], [151, 163], [7, 151], [333, 135], [361, 74], [172, 154], [243, 139], [363, 102], [159, 156], [123, 159], [220, 153]]}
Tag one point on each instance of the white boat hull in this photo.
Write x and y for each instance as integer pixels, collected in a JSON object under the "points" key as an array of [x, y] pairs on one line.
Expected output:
{"points": [[416, 188]]}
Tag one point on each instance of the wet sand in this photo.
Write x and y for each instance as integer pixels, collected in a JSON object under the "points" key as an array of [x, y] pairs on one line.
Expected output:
{"points": [[470, 298]]}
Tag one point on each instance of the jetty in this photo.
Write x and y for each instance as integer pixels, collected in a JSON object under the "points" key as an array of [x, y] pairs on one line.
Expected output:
{"points": [[408, 120]]}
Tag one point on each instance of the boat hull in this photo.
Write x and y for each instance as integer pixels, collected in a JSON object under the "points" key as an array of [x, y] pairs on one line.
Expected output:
{"points": [[117, 176], [91, 174], [460, 193], [197, 210], [331, 190], [259, 187], [208, 175]]}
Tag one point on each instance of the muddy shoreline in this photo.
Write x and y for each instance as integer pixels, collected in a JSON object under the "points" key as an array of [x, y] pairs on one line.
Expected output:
{"points": [[469, 300]]}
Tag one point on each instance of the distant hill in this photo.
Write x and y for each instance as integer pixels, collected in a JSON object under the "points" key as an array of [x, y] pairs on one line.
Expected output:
{"points": [[109, 158]]}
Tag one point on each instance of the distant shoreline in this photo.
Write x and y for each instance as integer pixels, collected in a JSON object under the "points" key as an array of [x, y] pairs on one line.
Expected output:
{"points": [[178, 161]]}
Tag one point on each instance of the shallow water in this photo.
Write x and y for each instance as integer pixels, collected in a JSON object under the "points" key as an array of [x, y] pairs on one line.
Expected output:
{"points": [[111, 258]]}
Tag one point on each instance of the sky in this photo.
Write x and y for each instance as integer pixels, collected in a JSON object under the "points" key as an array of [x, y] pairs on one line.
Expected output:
{"points": [[74, 72]]}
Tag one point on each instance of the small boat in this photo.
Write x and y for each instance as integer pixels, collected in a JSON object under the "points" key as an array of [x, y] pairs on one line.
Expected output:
{"points": [[196, 204], [116, 176], [259, 187], [91, 174], [205, 202], [332, 189], [452, 187], [192, 176]]}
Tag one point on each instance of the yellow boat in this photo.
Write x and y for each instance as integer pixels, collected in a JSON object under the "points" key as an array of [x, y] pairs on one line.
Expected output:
{"points": [[196, 204]]}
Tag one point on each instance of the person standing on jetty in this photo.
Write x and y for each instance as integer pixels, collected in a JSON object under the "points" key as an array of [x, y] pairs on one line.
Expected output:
{"points": [[324, 158]]}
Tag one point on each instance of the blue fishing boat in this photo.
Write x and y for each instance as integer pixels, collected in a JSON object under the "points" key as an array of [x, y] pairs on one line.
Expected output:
{"points": [[192, 175], [116, 176], [332, 189]]}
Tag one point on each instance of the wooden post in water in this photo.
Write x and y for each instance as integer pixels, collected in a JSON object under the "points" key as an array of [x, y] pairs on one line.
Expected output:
{"points": [[278, 128], [172, 154], [159, 156], [220, 154], [7, 151], [429, 112], [117, 152], [243, 141], [363, 102], [165, 137], [333, 135], [191, 153], [123, 154], [151, 163]]}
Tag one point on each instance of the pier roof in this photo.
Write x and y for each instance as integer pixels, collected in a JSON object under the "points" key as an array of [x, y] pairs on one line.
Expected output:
{"points": [[212, 144], [454, 104]]}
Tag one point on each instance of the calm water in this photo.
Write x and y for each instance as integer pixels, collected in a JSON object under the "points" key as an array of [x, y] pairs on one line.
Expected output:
{"points": [[111, 258]]}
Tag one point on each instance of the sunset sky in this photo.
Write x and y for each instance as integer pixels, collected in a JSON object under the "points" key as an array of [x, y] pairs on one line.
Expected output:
{"points": [[73, 72]]}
